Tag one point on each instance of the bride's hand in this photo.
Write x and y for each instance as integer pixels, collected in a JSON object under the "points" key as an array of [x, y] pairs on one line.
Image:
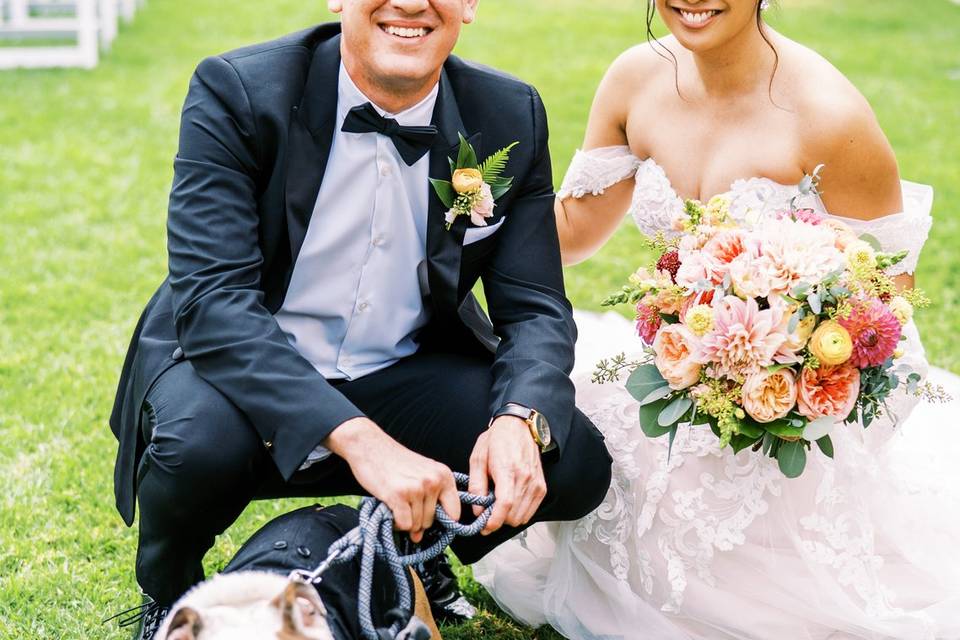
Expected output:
{"points": [[507, 454]]}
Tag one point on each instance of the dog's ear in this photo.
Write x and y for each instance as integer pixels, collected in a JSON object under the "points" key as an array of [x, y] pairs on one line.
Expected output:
{"points": [[300, 610], [185, 625]]}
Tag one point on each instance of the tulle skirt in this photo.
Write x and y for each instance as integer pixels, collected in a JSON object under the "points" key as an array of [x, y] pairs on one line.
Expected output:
{"points": [[709, 545]]}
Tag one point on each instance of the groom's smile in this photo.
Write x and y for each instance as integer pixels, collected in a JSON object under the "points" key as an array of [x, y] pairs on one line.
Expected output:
{"points": [[405, 32], [394, 49]]}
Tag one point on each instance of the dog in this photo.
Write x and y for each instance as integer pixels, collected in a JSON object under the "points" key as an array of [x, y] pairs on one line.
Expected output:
{"points": [[254, 598]]}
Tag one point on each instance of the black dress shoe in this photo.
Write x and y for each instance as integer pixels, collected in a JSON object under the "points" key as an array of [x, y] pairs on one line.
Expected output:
{"points": [[447, 602], [147, 617]]}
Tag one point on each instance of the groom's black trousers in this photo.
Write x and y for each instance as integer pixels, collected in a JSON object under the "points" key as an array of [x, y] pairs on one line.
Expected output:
{"points": [[204, 461]]}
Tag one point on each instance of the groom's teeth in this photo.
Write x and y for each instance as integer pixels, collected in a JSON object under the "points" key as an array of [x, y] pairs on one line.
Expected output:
{"points": [[406, 32], [698, 17]]}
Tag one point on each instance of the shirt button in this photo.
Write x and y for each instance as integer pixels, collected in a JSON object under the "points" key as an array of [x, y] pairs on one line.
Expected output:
{"points": [[378, 241], [363, 306], [385, 171]]}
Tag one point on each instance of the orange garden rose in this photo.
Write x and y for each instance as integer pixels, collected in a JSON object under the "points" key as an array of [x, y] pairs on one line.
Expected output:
{"points": [[675, 347], [769, 396], [828, 391]]}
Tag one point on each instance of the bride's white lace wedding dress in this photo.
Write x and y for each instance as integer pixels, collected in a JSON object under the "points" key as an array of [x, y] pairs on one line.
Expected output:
{"points": [[710, 545]]}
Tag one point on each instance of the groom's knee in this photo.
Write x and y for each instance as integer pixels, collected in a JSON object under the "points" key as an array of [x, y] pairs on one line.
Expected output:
{"points": [[198, 439], [582, 475]]}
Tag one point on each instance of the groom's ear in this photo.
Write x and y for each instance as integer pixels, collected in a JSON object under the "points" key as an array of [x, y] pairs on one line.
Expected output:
{"points": [[335, 6], [469, 10]]}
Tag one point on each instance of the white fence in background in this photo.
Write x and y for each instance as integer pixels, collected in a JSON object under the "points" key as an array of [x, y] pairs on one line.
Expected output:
{"points": [[59, 33]]}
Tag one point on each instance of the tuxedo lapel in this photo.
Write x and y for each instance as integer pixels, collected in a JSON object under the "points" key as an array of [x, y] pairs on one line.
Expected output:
{"points": [[311, 133], [444, 247]]}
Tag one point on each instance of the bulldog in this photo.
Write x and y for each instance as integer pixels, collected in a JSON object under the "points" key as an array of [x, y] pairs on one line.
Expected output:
{"points": [[255, 599]]}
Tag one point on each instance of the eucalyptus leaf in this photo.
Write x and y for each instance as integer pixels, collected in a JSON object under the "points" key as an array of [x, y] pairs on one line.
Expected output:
{"points": [[872, 241], [826, 445], [740, 442], [768, 440], [792, 459], [648, 419], [645, 379], [673, 437], [657, 394], [672, 413], [782, 429], [750, 429], [800, 289], [819, 428], [815, 304], [795, 321]]}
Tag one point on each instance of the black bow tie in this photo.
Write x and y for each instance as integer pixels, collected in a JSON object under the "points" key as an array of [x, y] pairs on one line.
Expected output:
{"points": [[412, 143]]}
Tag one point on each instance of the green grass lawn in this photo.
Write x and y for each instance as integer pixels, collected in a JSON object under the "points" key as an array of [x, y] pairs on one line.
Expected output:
{"points": [[85, 166]]}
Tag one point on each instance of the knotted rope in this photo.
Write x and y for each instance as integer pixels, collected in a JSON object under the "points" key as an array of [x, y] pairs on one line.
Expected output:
{"points": [[373, 537]]}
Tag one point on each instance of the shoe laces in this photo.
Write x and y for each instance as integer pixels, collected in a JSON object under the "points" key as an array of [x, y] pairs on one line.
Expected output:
{"points": [[150, 613]]}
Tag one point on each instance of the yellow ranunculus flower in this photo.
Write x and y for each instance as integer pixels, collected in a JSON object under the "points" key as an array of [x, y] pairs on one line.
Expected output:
{"points": [[831, 343], [901, 309], [699, 319], [467, 180]]}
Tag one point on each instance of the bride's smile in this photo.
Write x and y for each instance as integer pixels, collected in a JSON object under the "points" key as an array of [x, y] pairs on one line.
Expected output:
{"points": [[696, 18]]}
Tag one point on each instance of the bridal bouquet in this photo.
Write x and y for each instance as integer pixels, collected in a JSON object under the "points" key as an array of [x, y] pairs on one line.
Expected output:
{"points": [[769, 332]]}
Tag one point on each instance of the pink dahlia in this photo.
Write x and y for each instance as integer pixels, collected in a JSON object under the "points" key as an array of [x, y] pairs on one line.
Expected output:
{"points": [[648, 323], [875, 332], [744, 338]]}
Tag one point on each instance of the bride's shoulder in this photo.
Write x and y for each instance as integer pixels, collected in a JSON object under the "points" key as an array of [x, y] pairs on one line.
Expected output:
{"points": [[838, 128], [644, 67], [826, 102]]}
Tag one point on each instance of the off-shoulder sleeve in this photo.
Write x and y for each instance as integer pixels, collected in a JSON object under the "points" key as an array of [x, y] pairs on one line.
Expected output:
{"points": [[596, 170], [906, 231]]}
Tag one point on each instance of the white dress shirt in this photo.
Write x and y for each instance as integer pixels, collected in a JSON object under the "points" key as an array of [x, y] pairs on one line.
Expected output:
{"points": [[356, 296], [355, 301]]}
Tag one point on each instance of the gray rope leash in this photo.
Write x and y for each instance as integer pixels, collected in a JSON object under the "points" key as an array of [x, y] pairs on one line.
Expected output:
{"points": [[374, 537]]}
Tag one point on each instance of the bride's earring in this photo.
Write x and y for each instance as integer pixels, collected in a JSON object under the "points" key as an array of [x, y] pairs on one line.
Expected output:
{"points": [[764, 5]]}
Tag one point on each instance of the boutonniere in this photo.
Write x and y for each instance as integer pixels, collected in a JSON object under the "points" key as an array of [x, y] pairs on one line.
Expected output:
{"points": [[475, 187]]}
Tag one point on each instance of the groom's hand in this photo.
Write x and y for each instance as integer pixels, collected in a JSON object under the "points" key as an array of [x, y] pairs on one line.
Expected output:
{"points": [[407, 482], [507, 454]]}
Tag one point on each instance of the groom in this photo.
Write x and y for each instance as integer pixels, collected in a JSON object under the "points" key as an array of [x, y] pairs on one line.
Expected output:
{"points": [[317, 334]]}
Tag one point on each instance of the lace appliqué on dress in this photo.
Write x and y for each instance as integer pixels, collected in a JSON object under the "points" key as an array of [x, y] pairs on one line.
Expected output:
{"points": [[593, 172]]}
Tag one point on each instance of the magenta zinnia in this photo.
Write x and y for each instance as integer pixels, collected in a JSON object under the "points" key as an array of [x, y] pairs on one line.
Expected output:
{"points": [[875, 332]]}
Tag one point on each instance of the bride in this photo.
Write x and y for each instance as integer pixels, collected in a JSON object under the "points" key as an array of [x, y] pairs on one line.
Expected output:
{"points": [[705, 544]]}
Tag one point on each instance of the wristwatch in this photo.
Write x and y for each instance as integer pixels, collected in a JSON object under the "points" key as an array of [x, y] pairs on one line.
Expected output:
{"points": [[536, 422]]}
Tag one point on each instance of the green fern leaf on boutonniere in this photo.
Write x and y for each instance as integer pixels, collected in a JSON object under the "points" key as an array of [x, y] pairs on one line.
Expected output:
{"points": [[474, 187]]}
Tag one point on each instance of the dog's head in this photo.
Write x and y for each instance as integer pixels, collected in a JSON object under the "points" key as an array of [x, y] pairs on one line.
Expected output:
{"points": [[248, 606]]}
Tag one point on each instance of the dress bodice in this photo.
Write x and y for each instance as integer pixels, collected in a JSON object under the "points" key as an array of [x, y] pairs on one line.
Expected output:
{"points": [[655, 203]]}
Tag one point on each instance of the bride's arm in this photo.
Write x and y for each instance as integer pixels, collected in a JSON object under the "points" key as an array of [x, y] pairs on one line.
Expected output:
{"points": [[585, 223], [860, 178]]}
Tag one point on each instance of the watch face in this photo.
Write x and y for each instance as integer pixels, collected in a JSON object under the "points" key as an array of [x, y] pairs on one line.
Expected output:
{"points": [[543, 429]]}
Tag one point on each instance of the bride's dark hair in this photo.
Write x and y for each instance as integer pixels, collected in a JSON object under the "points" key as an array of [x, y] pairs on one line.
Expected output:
{"points": [[666, 54]]}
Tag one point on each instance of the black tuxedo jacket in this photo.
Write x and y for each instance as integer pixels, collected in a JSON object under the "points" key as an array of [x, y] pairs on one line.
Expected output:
{"points": [[255, 135]]}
